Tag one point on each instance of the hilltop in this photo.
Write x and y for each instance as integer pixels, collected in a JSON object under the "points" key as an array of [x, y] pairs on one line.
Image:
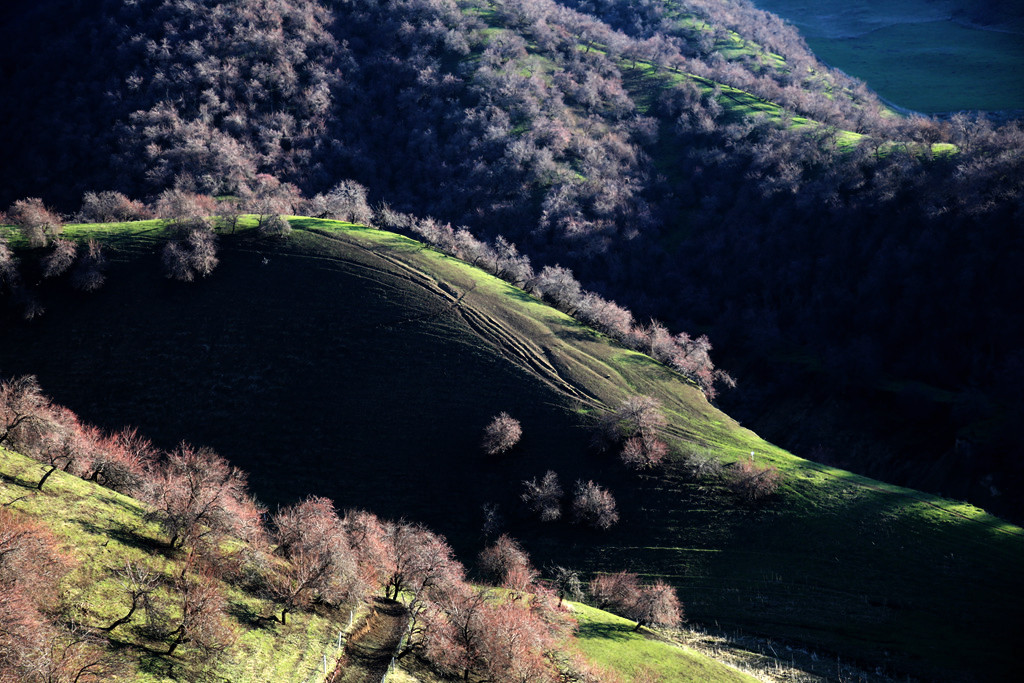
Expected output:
{"points": [[363, 365]]}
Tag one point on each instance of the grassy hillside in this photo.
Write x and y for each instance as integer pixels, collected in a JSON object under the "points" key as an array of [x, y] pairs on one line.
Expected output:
{"points": [[102, 530], [361, 365], [610, 641]]}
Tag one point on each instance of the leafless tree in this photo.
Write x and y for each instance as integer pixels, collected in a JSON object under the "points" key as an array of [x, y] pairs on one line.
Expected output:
{"points": [[635, 428], [594, 505], [544, 497], [88, 273], [60, 257], [138, 583], [194, 256], [37, 223], [752, 481], [23, 410], [501, 434]]}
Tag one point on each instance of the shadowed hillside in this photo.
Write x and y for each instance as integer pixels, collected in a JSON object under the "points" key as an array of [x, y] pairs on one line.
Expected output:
{"points": [[361, 365]]}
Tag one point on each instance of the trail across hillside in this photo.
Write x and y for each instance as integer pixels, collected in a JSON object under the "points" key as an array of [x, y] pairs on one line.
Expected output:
{"points": [[369, 650]]}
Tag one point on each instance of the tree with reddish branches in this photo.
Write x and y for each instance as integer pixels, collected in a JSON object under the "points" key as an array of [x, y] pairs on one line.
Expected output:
{"points": [[506, 563], [594, 506], [648, 605], [501, 434], [634, 427], [23, 410], [753, 482], [35, 643], [35, 221], [196, 493], [88, 274], [60, 258], [201, 619], [319, 563]]}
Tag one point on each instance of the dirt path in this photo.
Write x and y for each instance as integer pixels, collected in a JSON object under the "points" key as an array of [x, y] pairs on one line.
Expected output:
{"points": [[371, 646]]}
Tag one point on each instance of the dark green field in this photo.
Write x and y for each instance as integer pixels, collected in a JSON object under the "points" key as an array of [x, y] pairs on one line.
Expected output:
{"points": [[362, 366], [925, 55]]}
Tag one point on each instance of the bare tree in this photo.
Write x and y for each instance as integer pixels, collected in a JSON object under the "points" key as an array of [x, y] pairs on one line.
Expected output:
{"points": [[88, 273], [107, 207], [9, 279], [138, 583], [202, 620], [60, 258], [320, 563], [544, 497], [567, 583], [635, 427], [648, 605], [196, 493], [501, 434], [345, 202], [594, 506], [194, 256], [37, 223], [752, 481], [505, 562], [23, 409]]}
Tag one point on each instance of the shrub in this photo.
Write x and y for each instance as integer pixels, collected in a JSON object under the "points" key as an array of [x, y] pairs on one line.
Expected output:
{"points": [[594, 506], [503, 432], [753, 482]]}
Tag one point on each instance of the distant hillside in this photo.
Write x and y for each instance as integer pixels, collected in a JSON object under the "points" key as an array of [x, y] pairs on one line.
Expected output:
{"points": [[364, 366]]}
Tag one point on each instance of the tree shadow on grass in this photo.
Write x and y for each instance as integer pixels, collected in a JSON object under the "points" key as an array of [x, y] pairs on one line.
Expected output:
{"points": [[249, 617], [128, 537], [18, 481], [605, 631]]}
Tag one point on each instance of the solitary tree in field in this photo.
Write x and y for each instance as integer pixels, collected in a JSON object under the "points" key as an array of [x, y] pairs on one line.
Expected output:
{"points": [[648, 605], [594, 506], [752, 481], [503, 432], [544, 497], [634, 427]]}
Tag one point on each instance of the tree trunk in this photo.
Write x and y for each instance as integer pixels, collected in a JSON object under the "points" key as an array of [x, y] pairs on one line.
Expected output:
{"points": [[125, 618], [180, 637], [53, 468]]}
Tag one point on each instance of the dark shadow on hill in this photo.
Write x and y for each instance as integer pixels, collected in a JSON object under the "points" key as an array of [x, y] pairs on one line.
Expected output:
{"points": [[605, 631]]}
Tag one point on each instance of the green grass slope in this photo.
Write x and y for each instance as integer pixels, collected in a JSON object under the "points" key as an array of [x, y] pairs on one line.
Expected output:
{"points": [[610, 642], [361, 365], [101, 530]]}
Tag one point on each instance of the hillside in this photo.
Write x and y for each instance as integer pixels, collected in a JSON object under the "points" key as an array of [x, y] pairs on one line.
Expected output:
{"points": [[363, 366], [107, 540], [693, 160]]}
